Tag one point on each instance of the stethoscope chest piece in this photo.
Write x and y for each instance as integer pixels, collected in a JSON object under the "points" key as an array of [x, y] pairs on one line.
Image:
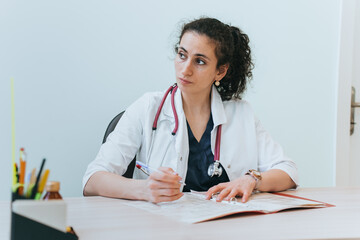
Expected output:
{"points": [[215, 169]]}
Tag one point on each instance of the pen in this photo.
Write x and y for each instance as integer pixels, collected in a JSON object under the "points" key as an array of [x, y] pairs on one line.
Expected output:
{"points": [[16, 173], [31, 183], [142, 169], [35, 188], [42, 184], [147, 170], [22, 171], [16, 183]]}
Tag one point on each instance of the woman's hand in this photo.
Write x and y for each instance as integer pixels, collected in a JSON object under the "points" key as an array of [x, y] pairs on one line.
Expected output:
{"points": [[163, 186], [243, 186]]}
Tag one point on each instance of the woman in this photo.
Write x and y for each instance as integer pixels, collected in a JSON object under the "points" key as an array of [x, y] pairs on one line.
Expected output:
{"points": [[212, 65]]}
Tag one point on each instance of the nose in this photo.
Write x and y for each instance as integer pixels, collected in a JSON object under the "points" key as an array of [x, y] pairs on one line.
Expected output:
{"points": [[186, 68]]}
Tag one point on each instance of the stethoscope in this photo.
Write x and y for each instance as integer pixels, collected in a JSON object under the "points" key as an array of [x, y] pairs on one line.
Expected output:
{"points": [[214, 168]]}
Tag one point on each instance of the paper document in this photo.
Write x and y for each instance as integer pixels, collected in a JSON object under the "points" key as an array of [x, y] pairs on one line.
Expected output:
{"points": [[194, 208]]}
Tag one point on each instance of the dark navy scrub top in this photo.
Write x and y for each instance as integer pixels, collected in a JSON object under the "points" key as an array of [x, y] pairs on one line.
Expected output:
{"points": [[200, 157]]}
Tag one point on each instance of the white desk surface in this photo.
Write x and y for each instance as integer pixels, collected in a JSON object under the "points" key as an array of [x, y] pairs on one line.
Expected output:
{"points": [[105, 218]]}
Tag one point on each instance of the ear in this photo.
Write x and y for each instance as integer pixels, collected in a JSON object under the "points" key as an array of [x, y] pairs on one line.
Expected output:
{"points": [[222, 70]]}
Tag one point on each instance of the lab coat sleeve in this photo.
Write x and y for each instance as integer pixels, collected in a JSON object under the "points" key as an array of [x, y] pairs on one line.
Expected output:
{"points": [[123, 143], [271, 154]]}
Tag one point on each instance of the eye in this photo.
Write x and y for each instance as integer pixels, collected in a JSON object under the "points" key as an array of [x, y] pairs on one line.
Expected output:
{"points": [[200, 61], [181, 55]]}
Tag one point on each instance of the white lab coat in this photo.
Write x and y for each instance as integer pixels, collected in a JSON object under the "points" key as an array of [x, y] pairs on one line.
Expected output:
{"points": [[244, 143]]}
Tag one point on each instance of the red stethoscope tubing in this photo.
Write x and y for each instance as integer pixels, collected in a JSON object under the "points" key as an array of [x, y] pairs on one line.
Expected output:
{"points": [[173, 89]]}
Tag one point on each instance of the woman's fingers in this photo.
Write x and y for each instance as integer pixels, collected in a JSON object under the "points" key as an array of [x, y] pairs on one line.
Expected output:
{"points": [[163, 192], [213, 190], [166, 175], [164, 186], [224, 193], [167, 170], [242, 186], [245, 196], [232, 194], [160, 198], [158, 184]]}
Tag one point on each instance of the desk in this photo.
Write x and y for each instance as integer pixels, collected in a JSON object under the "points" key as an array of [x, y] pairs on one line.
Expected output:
{"points": [[105, 218]]}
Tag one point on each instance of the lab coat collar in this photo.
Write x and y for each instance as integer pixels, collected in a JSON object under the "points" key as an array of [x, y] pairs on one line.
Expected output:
{"points": [[167, 108], [181, 137], [217, 107]]}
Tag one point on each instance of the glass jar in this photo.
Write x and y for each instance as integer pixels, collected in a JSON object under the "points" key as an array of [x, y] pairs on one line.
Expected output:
{"points": [[52, 191]]}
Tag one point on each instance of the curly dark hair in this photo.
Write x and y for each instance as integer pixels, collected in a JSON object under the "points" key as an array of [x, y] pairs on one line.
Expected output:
{"points": [[232, 48]]}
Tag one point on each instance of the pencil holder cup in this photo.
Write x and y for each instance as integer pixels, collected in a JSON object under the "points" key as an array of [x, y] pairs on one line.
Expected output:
{"points": [[15, 196], [27, 224]]}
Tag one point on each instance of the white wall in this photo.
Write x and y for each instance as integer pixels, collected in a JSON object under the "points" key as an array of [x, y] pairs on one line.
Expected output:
{"points": [[76, 64]]}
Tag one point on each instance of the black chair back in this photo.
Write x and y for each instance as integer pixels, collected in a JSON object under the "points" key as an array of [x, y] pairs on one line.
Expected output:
{"points": [[130, 170]]}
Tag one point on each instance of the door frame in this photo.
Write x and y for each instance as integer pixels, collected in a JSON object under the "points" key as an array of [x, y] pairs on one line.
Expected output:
{"points": [[345, 75]]}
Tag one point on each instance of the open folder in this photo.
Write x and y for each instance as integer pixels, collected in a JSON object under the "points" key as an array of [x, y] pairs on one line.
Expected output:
{"points": [[194, 208]]}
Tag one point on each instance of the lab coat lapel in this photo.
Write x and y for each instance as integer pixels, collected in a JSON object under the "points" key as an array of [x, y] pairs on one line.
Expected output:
{"points": [[218, 114], [166, 112], [181, 137]]}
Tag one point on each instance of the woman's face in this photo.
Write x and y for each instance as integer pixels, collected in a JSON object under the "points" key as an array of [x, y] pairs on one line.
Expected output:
{"points": [[195, 64]]}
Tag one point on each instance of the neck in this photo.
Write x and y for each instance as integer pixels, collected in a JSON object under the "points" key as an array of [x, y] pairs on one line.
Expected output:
{"points": [[196, 104]]}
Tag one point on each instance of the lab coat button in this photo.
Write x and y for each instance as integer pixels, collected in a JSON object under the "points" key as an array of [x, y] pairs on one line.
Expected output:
{"points": [[229, 166], [180, 158]]}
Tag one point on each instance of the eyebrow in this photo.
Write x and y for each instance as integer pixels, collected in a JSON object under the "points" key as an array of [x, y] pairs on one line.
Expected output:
{"points": [[197, 54]]}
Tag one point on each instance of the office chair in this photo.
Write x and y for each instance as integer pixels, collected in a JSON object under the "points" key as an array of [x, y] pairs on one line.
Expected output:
{"points": [[130, 170]]}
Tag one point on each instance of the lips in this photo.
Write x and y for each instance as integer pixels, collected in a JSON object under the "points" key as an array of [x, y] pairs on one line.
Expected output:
{"points": [[184, 81]]}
